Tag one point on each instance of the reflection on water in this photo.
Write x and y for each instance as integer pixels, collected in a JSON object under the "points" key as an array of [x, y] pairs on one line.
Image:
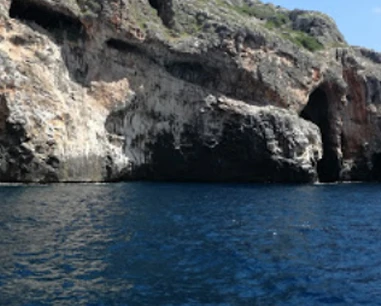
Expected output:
{"points": [[189, 244], [53, 241]]}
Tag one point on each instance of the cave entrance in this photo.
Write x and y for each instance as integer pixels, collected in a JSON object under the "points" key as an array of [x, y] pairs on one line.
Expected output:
{"points": [[154, 4], [54, 22], [376, 172], [165, 11], [317, 111]]}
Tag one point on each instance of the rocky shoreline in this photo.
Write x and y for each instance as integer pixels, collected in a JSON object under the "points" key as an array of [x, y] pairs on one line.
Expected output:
{"points": [[107, 90]]}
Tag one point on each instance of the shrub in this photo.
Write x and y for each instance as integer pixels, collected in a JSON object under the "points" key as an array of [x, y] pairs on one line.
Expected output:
{"points": [[303, 40], [277, 21], [307, 41], [258, 11]]}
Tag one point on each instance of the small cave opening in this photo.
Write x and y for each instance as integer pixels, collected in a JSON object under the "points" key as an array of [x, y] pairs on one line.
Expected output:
{"points": [[376, 171], [154, 4], [54, 22], [164, 10], [123, 46], [193, 72], [317, 111]]}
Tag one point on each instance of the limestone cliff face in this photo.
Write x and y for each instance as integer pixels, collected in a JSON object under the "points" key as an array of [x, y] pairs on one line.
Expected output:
{"points": [[94, 90]]}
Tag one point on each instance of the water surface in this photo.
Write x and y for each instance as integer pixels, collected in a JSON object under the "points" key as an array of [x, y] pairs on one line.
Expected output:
{"points": [[190, 244]]}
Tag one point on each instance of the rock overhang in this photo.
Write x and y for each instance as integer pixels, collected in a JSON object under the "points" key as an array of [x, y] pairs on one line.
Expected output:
{"points": [[168, 71]]}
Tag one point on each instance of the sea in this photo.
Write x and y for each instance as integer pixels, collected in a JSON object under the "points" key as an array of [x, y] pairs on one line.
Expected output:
{"points": [[190, 244]]}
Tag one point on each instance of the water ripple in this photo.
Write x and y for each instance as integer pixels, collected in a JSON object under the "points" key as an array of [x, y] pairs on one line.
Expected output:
{"points": [[190, 244]]}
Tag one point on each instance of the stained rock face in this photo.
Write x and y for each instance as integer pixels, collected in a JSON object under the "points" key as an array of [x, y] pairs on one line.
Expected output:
{"points": [[183, 90], [226, 141]]}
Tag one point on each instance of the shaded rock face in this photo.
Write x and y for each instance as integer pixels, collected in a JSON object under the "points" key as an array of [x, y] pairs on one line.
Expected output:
{"points": [[173, 90], [244, 143]]}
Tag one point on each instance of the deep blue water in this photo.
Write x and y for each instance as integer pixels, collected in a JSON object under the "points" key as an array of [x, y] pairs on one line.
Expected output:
{"points": [[190, 244]]}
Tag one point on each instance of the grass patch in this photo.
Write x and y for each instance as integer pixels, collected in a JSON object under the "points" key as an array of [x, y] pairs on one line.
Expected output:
{"points": [[278, 20], [304, 40], [262, 12]]}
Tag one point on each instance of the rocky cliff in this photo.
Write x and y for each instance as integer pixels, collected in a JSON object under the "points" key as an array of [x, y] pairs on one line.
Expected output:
{"points": [[223, 90]]}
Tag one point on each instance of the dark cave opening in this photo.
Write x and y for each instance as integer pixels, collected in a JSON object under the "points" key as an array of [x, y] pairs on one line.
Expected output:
{"points": [[54, 22], [193, 72], [317, 111], [376, 171], [123, 46], [154, 4], [164, 10]]}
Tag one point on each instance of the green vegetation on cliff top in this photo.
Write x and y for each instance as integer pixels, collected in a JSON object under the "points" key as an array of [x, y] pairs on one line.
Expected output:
{"points": [[195, 17], [279, 21]]}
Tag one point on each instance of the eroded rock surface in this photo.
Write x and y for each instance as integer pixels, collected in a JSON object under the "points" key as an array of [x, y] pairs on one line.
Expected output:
{"points": [[183, 90]]}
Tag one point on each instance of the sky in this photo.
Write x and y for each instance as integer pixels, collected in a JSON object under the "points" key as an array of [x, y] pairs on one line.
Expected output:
{"points": [[358, 20]]}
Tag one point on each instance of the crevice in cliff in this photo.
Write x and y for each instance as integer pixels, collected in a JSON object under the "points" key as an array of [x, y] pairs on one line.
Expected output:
{"points": [[237, 84], [122, 46], [4, 114], [194, 72], [317, 111], [165, 11], [58, 24]]}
